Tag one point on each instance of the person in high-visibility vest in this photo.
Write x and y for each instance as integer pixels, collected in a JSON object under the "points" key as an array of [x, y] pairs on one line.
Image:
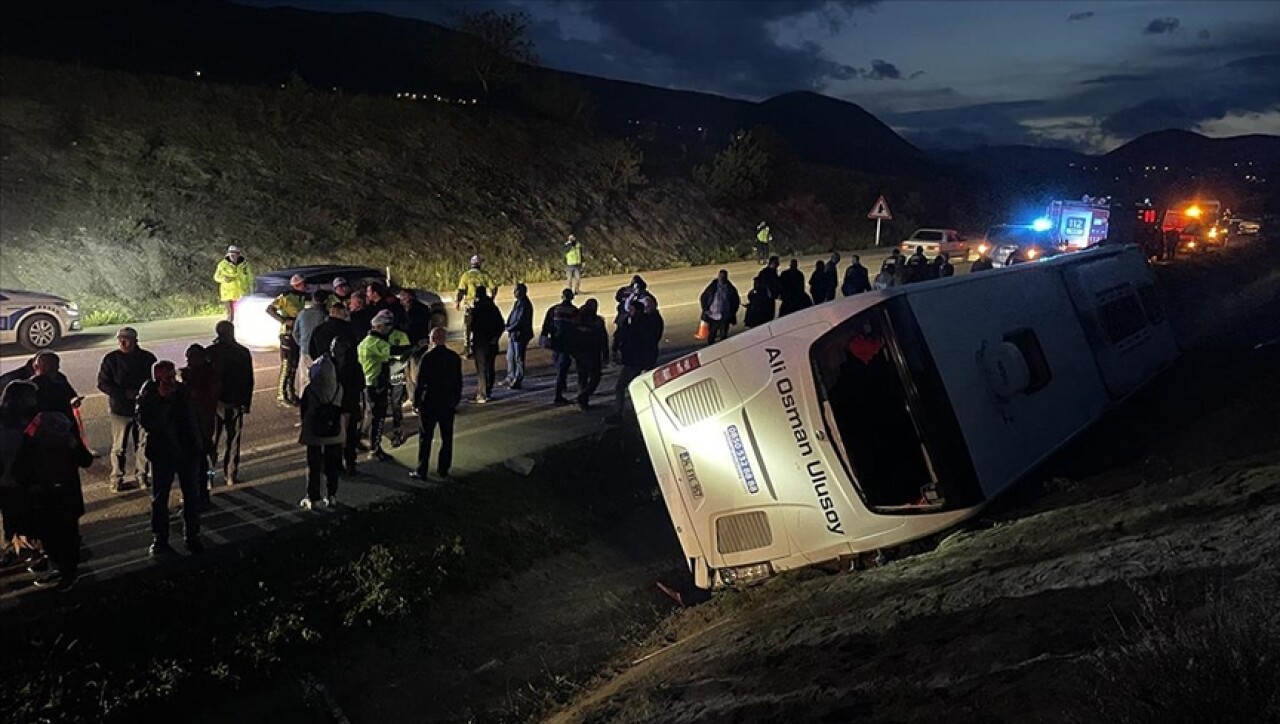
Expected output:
{"points": [[285, 310], [763, 237], [234, 279], [573, 264], [467, 284]]}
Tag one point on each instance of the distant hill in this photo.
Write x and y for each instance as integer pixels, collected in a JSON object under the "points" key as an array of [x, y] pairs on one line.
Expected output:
{"points": [[381, 54], [1192, 150]]}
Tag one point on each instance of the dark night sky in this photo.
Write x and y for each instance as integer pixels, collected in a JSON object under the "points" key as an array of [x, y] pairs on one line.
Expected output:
{"points": [[1086, 75]]}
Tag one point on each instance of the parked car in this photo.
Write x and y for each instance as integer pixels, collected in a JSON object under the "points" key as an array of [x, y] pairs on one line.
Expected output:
{"points": [[935, 241], [34, 320], [256, 329], [1248, 227], [1010, 244]]}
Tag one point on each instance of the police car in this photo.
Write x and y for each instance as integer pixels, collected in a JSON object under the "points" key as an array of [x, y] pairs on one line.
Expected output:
{"points": [[34, 320], [258, 330]]}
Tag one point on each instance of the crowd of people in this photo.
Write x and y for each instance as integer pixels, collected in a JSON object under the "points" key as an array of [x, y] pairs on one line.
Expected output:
{"points": [[349, 359]]}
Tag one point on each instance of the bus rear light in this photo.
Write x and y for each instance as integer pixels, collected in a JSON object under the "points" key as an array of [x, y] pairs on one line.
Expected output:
{"points": [[673, 370]]}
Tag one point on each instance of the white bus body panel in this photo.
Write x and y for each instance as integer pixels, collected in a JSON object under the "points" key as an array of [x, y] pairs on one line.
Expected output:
{"points": [[740, 448]]}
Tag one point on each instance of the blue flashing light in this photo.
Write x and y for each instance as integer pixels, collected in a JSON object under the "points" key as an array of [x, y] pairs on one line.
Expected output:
{"points": [[1041, 224]]}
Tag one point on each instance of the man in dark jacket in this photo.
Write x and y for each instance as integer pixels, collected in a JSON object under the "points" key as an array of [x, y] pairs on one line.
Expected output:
{"points": [[818, 290], [435, 398], [720, 303], [917, 266], [856, 278], [486, 330], [417, 317], [53, 392], [791, 282], [361, 315], [590, 348], [641, 337], [832, 269], [167, 412], [519, 332], [941, 267], [48, 465], [769, 277], [120, 377], [233, 376], [557, 335]]}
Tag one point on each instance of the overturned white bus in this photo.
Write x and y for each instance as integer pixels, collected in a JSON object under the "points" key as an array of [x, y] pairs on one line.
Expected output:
{"points": [[886, 417]]}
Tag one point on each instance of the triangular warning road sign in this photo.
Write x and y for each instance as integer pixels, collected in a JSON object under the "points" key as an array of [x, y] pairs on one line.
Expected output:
{"points": [[880, 210]]}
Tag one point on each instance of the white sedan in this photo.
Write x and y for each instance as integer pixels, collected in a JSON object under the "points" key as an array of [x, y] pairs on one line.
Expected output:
{"points": [[34, 320]]}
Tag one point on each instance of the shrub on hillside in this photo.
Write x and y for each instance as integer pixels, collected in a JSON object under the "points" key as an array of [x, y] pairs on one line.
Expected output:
{"points": [[738, 173], [1215, 664]]}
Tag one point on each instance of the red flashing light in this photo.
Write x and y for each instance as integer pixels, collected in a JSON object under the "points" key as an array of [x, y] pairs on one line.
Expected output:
{"points": [[1147, 216], [669, 372]]}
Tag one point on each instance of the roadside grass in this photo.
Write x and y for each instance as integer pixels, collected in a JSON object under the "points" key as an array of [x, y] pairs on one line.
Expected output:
{"points": [[1213, 661], [276, 607], [110, 312]]}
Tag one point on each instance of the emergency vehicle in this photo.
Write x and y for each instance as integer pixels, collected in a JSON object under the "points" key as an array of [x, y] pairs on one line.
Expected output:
{"points": [[1195, 225], [1077, 224]]}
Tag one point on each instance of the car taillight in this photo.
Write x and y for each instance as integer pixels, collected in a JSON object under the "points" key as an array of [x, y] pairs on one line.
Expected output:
{"points": [[673, 370]]}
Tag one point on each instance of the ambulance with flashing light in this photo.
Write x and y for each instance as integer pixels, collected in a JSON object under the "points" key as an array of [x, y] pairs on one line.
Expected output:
{"points": [[1195, 225], [874, 420]]}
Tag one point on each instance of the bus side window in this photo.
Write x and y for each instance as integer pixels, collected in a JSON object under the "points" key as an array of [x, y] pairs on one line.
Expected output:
{"points": [[1122, 317], [1037, 366]]}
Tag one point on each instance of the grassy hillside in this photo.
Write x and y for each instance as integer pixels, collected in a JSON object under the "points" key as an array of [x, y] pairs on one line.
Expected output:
{"points": [[122, 191]]}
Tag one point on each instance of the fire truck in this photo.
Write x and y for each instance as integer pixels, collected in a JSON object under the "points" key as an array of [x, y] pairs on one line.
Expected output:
{"points": [[1077, 224]]}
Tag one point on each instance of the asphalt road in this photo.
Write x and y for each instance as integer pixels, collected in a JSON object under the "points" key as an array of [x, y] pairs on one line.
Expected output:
{"points": [[514, 423]]}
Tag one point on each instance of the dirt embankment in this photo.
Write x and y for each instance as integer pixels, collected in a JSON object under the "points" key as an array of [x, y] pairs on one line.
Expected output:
{"points": [[1132, 579]]}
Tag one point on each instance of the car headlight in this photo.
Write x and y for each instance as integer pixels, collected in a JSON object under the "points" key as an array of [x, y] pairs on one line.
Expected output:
{"points": [[1033, 253], [982, 248], [745, 574]]}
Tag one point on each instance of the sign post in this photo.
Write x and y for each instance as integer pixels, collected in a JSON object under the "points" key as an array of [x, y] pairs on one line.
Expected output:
{"points": [[880, 212]]}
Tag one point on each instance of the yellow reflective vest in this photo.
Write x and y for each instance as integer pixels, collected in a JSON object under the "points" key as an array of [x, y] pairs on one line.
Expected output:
{"points": [[473, 278], [289, 305], [234, 280], [573, 257], [764, 236]]}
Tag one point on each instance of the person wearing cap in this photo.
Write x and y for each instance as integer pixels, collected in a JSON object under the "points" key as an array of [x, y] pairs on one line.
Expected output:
{"points": [[341, 293], [375, 353], [557, 335], [120, 376], [285, 310], [763, 238], [573, 263], [467, 284], [234, 279]]}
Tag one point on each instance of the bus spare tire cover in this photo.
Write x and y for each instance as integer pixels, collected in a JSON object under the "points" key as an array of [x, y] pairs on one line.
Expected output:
{"points": [[1005, 369]]}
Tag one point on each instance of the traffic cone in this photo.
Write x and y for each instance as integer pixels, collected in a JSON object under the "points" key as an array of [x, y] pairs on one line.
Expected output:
{"points": [[704, 331]]}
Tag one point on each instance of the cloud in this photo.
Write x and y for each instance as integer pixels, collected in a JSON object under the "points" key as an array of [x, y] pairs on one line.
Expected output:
{"points": [[1257, 64], [916, 74], [1160, 26], [1073, 17], [1115, 78], [1241, 124], [729, 44], [1204, 34], [882, 70]]}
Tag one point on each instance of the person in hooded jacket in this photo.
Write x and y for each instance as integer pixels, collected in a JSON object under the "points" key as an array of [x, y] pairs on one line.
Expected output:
{"points": [[720, 303], [167, 411], [590, 351], [487, 326], [18, 399], [322, 432], [49, 464], [234, 279]]}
